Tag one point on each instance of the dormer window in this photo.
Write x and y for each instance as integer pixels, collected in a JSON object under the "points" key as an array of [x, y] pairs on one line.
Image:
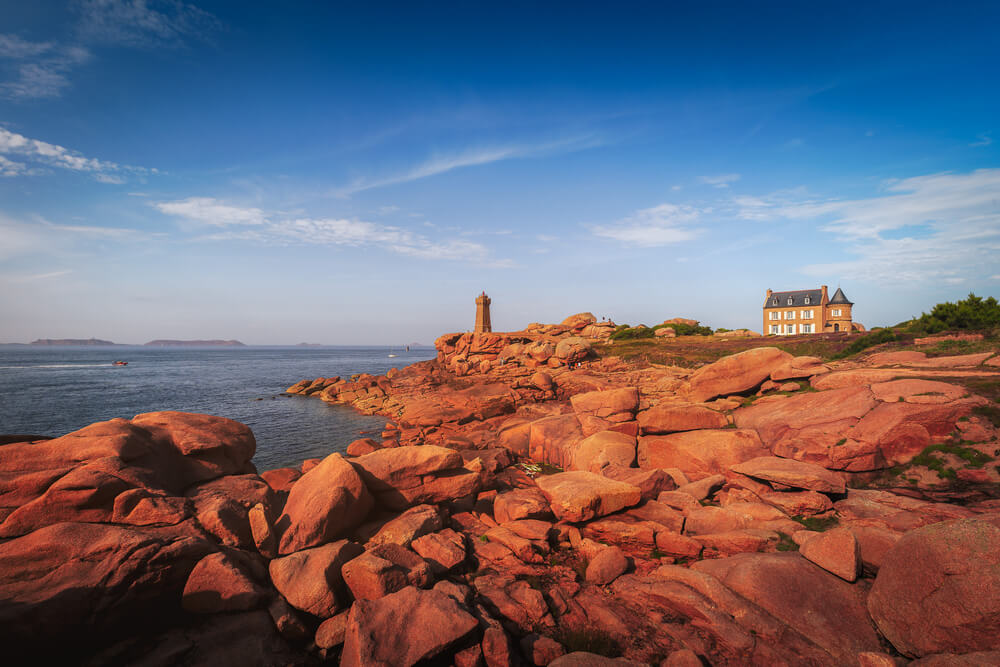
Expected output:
{"points": [[807, 301], [774, 303], [789, 301]]}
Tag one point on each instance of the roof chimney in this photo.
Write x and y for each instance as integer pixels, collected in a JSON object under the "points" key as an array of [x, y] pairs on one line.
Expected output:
{"points": [[769, 292]]}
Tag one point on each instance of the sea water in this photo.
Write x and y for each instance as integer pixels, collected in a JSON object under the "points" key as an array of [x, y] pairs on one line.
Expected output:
{"points": [[55, 390]]}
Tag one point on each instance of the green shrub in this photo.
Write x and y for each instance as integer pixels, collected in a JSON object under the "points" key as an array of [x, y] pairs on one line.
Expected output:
{"points": [[689, 330], [971, 313], [640, 331], [626, 332]]}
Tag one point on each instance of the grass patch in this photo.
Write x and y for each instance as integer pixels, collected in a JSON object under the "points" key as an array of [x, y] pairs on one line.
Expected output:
{"points": [[536, 469], [817, 523], [973, 458], [877, 337], [786, 543], [986, 387], [590, 640], [840, 442], [657, 554], [990, 412], [947, 348], [483, 538]]}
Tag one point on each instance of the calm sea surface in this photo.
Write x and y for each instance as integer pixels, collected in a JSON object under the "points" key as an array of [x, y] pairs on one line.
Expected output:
{"points": [[52, 391]]}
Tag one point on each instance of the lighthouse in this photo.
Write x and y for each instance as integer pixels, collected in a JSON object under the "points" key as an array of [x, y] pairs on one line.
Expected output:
{"points": [[483, 324]]}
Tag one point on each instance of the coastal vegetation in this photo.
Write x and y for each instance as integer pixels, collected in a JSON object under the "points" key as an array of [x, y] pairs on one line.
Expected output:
{"points": [[641, 331], [971, 313]]}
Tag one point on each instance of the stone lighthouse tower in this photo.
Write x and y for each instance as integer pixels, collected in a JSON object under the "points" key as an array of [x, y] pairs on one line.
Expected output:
{"points": [[483, 324]]}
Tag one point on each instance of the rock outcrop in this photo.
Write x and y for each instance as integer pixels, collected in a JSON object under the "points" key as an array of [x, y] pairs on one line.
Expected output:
{"points": [[938, 589], [529, 496]]}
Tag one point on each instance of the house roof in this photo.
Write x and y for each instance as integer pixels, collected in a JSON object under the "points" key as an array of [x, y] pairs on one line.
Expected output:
{"points": [[838, 297], [798, 298]]}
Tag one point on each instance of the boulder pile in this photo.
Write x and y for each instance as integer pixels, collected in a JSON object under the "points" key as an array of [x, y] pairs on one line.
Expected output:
{"points": [[763, 509]]}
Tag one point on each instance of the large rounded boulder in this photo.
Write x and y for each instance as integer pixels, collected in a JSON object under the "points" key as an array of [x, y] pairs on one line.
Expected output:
{"points": [[736, 373], [938, 590], [324, 504], [573, 349]]}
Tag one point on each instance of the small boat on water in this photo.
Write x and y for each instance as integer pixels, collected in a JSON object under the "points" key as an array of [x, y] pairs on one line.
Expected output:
{"points": [[393, 355], [119, 363]]}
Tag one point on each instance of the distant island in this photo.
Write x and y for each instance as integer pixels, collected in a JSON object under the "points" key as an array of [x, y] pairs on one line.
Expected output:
{"points": [[71, 341], [164, 342]]}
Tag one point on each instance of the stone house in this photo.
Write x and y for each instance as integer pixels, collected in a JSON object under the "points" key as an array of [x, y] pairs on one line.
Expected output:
{"points": [[807, 312]]}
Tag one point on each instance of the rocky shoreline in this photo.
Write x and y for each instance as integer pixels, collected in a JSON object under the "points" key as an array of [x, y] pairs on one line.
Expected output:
{"points": [[532, 502]]}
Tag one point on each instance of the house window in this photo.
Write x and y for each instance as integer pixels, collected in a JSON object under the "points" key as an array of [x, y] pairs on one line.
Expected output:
{"points": [[807, 314], [775, 329], [806, 328], [789, 301], [774, 303], [789, 328], [807, 301], [836, 312], [789, 314], [774, 315]]}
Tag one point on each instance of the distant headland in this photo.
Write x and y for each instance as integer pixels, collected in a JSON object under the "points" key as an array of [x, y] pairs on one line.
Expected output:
{"points": [[164, 342], [71, 341]]}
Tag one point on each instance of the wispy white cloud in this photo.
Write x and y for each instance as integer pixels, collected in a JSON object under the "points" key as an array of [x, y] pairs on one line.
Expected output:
{"points": [[212, 212], [11, 168], [12, 46], [982, 140], [937, 227], [40, 237], [657, 226], [721, 180], [35, 277], [36, 69], [256, 225], [96, 231], [144, 23], [442, 163], [53, 155]]}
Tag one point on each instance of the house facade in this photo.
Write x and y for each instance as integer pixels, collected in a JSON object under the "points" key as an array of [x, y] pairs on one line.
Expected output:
{"points": [[807, 312]]}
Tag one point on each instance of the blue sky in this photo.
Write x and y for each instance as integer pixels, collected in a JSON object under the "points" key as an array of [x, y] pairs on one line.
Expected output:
{"points": [[329, 173]]}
